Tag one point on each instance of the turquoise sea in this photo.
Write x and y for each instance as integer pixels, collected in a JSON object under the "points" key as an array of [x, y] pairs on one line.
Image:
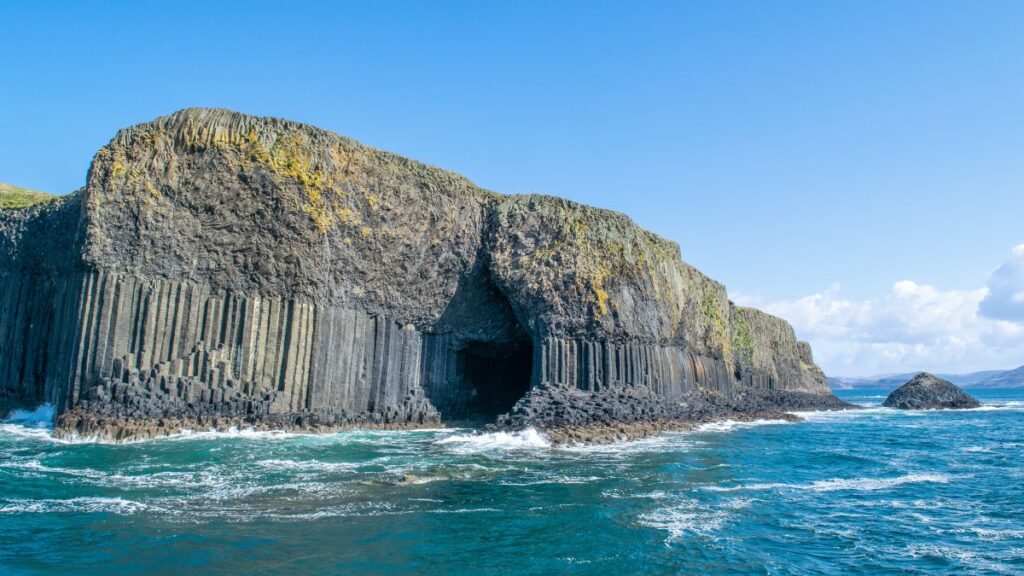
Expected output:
{"points": [[877, 491]]}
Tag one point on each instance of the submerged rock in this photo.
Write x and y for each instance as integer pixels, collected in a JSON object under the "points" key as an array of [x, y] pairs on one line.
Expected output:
{"points": [[927, 391], [220, 269]]}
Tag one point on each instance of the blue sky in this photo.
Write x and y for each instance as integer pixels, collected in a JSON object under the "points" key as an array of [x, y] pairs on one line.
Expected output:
{"points": [[810, 155]]}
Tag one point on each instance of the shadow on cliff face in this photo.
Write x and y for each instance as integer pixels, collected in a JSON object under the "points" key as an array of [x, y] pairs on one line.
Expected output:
{"points": [[496, 377], [485, 362]]}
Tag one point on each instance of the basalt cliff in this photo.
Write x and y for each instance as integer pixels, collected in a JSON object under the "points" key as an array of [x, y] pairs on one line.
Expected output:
{"points": [[220, 269]]}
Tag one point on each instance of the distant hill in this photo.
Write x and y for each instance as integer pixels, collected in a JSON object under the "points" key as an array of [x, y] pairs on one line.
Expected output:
{"points": [[881, 382], [12, 196], [1005, 379], [982, 379]]}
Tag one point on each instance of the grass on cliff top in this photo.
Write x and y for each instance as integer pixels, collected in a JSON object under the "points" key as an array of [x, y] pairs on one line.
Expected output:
{"points": [[17, 197]]}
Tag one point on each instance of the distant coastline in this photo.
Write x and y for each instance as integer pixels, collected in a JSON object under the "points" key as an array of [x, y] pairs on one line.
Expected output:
{"points": [[1013, 378]]}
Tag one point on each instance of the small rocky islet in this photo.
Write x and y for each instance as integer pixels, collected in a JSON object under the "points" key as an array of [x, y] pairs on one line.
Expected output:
{"points": [[929, 392], [222, 270]]}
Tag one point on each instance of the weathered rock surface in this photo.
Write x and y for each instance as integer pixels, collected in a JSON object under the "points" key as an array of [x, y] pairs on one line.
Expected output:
{"points": [[222, 269], [926, 392]]}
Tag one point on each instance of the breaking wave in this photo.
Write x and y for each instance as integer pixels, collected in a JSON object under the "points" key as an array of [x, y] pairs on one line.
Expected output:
{"points": [[730, 425], [529, 439], [41, 417]]}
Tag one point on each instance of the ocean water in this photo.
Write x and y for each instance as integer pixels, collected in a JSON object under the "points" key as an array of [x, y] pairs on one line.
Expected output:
{"points": [[871, 492]]}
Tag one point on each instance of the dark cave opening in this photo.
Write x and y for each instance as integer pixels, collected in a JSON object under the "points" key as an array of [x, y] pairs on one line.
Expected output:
{"points": [[496, 376], [479, 360]]}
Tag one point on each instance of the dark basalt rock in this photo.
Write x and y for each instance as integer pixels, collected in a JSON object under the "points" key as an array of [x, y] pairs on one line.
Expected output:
{"points": [[220, 269], [927, 391]]}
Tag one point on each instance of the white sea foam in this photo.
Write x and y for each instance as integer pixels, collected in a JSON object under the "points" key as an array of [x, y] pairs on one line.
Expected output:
{"points": [[46, 434], [737, 503], [1014, 405], [557, 479], [674, 440], [411, 479], [730, 425], [836, 484], [842, 415], [529, 439], [119, 480], [972, 561], [188, 480], [989, 533], [20, 431], [83, 504], [877, 410], [306, 465], [947, 552], [686, 517], [354, 509], [656, 495], [992, 447], [868, 484], [403, 477], [37, 466], [464, 510], [680, 522]]}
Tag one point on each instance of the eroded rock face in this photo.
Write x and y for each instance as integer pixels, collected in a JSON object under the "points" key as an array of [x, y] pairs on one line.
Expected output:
{"points": [[219, 267], [928, 392]]}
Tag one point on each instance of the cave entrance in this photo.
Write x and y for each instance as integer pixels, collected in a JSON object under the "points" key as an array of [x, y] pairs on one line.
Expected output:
{"points": [[496, 376]]}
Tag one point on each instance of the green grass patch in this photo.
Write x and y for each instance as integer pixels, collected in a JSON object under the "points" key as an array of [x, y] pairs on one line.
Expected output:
{"points": [[16, 197]]}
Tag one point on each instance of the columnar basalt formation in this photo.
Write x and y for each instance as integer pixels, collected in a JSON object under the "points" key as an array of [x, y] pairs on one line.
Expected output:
{"points": [[222, 269]]}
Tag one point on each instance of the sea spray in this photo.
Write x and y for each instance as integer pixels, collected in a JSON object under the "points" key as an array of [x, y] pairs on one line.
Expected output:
{"points": [[472, 443]]}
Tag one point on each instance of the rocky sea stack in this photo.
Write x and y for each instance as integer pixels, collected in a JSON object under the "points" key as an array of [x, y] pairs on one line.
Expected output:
{"points": [[928, 392], [220, 269]]}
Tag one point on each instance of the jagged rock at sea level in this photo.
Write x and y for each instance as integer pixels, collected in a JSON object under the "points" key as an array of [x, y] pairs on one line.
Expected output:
{"points": [[220, 269], [927, 391]]}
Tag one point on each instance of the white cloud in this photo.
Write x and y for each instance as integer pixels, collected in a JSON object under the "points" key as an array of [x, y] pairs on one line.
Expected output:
{"points": [[911, 327], [1005, 300]]}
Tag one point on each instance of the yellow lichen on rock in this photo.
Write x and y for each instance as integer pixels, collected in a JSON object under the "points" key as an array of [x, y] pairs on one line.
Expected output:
{"points": [[602, 301], [290, 158]]}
